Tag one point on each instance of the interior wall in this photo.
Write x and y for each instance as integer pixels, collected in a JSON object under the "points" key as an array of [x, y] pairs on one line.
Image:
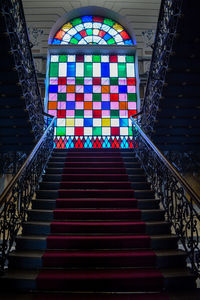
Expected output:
{"points": [[141, 15]]}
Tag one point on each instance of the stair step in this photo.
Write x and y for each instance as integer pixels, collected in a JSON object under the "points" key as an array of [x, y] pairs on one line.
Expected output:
{"points": [[93, 185], [98, 203], [99, 280], [108, 170], [93, 164], [94, 259], [42, 242], [95, 214], [90, 227], [98, 159], [94, 193]]}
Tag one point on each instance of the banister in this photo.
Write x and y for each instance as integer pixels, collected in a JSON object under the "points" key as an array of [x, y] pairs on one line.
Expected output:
{"points": [[25, 165], [172, 169]]}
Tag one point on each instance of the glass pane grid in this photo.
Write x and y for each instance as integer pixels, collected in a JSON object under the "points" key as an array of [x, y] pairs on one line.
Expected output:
{"points": [[92, 96]]}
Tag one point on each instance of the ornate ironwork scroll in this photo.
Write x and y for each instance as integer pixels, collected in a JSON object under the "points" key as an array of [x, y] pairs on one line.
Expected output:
{"points": [[13, 13], [180, 202], [17, 197], [170, 12]]}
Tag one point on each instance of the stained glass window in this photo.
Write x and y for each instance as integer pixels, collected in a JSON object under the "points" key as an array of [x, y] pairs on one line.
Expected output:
{"points": [[93, 97], [92, 30]]}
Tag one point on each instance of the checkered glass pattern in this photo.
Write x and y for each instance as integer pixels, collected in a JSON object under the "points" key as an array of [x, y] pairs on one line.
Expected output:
{"points": [[92, 96]]}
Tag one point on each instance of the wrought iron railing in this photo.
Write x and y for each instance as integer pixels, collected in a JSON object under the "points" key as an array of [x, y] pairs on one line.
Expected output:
{"points": [[17, 197], [13, 13], [170, 12], [180, 202]]}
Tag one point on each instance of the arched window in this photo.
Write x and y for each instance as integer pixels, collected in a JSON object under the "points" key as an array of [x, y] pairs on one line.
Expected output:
{"points": [[92, 90], [93, 30]]}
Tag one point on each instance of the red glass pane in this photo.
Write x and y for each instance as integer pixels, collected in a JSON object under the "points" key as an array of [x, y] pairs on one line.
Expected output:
{"points": [[79, 97], [113, 58], [79, 58], [131, 112], [114, 130], [98, 19], [61, 113], [62, 80], [130, 81], [124, 35], [114, 97], [96, 81], [83, 33], [102, 33], [78, 130], [96, 113], [59, 35]]}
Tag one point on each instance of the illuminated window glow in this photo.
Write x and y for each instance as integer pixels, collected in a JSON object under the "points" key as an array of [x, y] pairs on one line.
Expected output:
{"points": [[93, 97]]}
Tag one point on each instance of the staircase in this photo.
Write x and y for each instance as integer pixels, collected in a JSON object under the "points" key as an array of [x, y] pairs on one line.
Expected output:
{"points": [[96, 230], [178, 120]]}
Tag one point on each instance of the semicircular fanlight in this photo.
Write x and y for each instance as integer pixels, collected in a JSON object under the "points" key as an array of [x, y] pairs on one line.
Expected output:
{"points": [[92, 30]]}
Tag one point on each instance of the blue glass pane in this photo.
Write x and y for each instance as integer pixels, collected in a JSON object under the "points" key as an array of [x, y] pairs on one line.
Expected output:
{"points": [[78, 36], [123, 122], [105, 70], [128, 42], [70, 105], [71, 69], [88, 122], [107, 37], [53, 89], [86, 19], [122, 89], [105, 105], [56, 42], [88, 89]]}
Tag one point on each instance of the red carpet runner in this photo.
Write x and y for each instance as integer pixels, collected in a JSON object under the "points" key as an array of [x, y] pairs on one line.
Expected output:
{"points": [[98, 242]]}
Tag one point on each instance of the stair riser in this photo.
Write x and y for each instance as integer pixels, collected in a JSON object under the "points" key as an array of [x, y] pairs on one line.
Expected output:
{"points": [[93, 164], [93, 185], [47, 194], [90, 262], [51, 204], [124, 243], [48, 216], [70, 159], [37, 229]]}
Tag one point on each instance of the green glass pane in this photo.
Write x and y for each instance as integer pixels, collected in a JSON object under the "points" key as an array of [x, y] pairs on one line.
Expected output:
{"points": [[79, 113], [62, 97], [79, 80], [96, 58], [111, 41], [114, 113], [96, 130], [113, 81], [88, 69], [121, 69], [132, 97], [96, 97], [89, 31], [61, 130], [108, 22], [130, 131], [76, 21], [62, 58], [130, 58], [73, 41], [54, 69]]}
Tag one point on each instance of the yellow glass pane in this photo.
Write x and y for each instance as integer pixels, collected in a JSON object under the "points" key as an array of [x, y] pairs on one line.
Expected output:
{"points": [[118, 27], [69, 122], [67, 26], [106, 122]]}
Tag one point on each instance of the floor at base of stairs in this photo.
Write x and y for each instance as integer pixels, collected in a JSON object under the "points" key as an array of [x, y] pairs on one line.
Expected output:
{"points": [[185, 295]]}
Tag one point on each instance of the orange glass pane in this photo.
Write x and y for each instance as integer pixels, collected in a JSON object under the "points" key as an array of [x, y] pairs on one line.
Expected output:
{"points": [[105, 89], [70, 88], [88, 105], [59, 35], [53, 105], [123, 105]]}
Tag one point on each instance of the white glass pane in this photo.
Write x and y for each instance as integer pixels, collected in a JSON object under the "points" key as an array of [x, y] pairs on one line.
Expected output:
{"points": [[97, 25], [88, 25], [105, 58], [121, 58], [62, 69], [118, 38], [79, 27], [96, 69], [130, 70], [95, 31], [64, 43], [61, 122], [102, 42], [71, 58], [79, 69], [105, 27], [123, 130], [67, 37], [115, 122], [112, 32], [105, 130], [96, 122], [88, 58], [78, 122], [87, 130], [113, 70], [54, 58], [88, 39], [72, 31], [96, 39], [82, 42], [70, 131], [120, 43]]}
